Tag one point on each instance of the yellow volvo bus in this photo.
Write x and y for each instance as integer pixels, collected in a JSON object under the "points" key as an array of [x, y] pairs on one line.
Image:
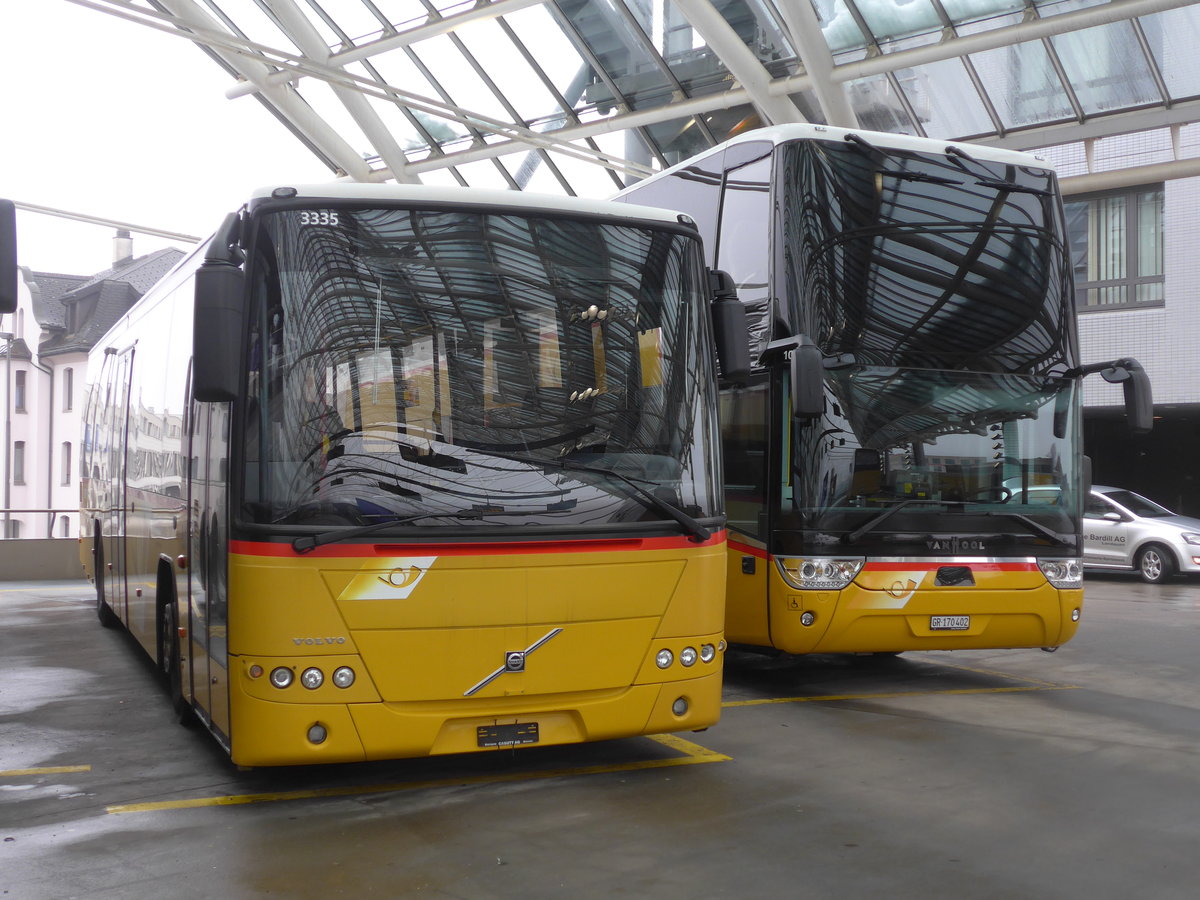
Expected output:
{"points": [[384, 471], [916, 375]]}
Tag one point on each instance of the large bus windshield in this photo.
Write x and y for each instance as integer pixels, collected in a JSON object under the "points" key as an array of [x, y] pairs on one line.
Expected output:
{"points": [[901, 258], [450, 369], [909, 456]]}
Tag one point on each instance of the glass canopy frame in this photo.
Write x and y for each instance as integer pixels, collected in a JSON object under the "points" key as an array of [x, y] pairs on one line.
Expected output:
{"points": [[581, 96]]}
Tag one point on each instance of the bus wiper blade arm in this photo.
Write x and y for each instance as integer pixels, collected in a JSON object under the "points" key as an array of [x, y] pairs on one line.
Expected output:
{"points": [[999, 185], [699, 532], [311, 541], [1032, 525], [875, 521], [918, 176]]}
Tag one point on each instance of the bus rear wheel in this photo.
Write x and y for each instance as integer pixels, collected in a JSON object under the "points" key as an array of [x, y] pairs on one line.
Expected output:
{"points": [[170, 661]]}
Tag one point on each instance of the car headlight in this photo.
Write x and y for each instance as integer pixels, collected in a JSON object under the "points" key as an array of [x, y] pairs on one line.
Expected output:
{"points": [[815, 573], [1191, 537], [1062, 573]]}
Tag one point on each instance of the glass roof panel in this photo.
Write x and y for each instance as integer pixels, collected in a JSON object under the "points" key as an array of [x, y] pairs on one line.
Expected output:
{"points": [[353, 18], [878, 106], [1173, 37], [961, 11], [944, 99], [890, 19], [1021, 82], [458, 79], [508, 69], [1106, 67], [838, 27]]}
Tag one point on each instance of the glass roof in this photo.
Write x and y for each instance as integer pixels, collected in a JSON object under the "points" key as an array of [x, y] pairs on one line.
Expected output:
{"points": [[579, 96]]}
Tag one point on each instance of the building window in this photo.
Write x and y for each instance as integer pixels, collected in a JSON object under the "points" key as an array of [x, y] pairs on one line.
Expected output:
{"points": [[1116, 245], [18, 462], [66, 462], [14, 529], [64, 526], [68, 389], [19, 392]]}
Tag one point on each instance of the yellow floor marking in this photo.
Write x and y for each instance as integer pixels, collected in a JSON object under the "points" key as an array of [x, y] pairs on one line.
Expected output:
{"points": [[999, 674], [693, 754], [47, 770], [828, 698]]}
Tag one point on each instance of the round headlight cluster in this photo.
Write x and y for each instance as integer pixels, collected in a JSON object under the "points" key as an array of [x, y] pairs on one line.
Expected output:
{"points": [[1062, 573], [311, 678], [687, 656], [819, 573]]}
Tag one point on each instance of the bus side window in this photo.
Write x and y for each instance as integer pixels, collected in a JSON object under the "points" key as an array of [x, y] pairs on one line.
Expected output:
{"points": [[743, 416], [743, 247]]}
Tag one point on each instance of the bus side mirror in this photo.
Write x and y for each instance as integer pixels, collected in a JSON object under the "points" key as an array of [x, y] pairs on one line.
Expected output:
{"points": [[8, 257], [806, 367], [730, 330], [1139, 402], [216, 336]]}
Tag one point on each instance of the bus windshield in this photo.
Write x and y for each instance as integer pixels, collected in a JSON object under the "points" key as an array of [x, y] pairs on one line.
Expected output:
{"points": [[926, 260], [450, 369], [911, 458]]}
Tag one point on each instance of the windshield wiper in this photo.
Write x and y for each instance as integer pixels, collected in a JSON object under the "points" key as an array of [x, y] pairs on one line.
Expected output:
{"points": [[1000, 185], [312, 541], [918, 176], [1032, 525], [875, 521], [699, 532]]}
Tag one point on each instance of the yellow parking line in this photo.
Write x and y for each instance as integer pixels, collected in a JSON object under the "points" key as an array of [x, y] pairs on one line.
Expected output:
{"points": [[45, 770], [693, 754], [829, 698]]}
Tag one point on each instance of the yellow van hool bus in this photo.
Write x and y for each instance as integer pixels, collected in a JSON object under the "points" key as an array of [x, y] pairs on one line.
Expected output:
{"points": [[383, 471], [916, 370]]}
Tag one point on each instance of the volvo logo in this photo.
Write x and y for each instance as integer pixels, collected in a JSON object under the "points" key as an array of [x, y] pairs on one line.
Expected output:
{"points": [[514, 661]]}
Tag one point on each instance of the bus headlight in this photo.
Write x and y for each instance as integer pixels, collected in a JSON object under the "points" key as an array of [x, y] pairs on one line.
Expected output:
{"points": [[707, 653], [1064, 574], [312, 678], [815, 573], [687, 656], [664, 658], [282, 677], [343, 676]]}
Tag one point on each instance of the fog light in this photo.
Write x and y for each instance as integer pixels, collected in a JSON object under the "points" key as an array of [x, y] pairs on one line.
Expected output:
{"points": [[1074, 615], [343, 676], [664, 658], [687, 656], [807, 618], [707, 652], [312, 678], [317, 733], [680, 706], [281, 677]]}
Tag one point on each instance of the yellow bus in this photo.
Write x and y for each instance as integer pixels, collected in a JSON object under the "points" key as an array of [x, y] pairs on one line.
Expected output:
{"points": [[916, 372], [385, 471]]}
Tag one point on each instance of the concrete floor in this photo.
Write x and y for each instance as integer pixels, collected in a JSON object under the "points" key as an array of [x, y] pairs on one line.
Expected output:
{"points": [[1007, 774]]}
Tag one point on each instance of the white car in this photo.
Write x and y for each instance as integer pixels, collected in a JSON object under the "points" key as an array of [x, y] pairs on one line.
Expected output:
{"points": [[1125, 531]]}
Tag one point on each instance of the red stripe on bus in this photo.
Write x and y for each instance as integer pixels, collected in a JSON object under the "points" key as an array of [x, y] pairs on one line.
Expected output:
{"points": [[760, 552], [478, 548]]}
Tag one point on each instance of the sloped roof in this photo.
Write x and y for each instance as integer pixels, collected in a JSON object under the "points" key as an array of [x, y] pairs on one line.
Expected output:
{"points": [[99, 300]]}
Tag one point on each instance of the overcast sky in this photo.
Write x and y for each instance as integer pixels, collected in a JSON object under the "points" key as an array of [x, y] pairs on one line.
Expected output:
{"points": [[109, 118]]}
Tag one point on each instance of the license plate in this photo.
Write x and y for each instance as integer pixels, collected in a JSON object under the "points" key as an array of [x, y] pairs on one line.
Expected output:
{"points": [[949, 623], [507, 735]]}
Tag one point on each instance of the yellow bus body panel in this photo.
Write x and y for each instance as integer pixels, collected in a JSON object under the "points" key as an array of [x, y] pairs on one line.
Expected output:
{"points": [[428, 637], [889, 608]]}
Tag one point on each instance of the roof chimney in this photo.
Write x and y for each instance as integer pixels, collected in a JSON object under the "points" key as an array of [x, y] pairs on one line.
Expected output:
{"points": [[122, 247]]}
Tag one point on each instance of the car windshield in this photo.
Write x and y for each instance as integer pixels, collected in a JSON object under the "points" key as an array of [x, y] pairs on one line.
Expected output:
{"points": [[1138, 505], [461, 369]]}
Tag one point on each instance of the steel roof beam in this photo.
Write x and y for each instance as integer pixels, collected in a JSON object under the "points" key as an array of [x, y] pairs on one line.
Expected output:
{"points": [[300, 30], [774, 108], [804, 31]]}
